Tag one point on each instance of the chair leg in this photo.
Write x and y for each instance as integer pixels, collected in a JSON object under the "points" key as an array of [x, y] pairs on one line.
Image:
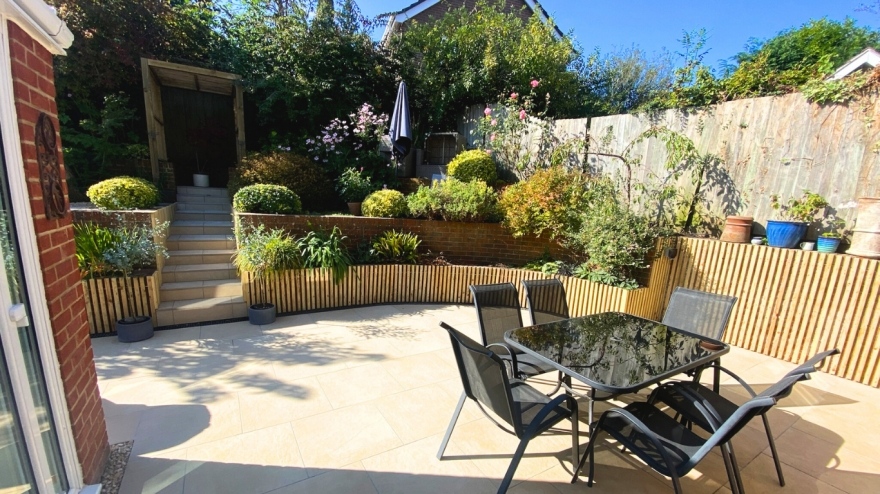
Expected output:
{"points": [[587, 453], [735, 466], [514, 462], [575, 438], [452, 422], [728, 465], [773, 449]]}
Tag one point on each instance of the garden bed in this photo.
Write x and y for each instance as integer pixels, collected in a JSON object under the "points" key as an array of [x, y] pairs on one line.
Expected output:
{"points": [[107, 300]]}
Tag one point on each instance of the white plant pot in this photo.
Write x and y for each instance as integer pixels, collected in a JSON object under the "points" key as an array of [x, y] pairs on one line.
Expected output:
{"points": [[200, 180]]}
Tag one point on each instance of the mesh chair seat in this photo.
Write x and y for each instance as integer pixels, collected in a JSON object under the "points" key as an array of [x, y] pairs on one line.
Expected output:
{"points": [[680, 443], [530, 402], [529, 365]]}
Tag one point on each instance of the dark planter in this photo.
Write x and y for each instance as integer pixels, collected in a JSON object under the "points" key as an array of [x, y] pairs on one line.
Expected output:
{"points": [[827, 244], [355, 208], [259, 314], [139, 329], [785, 234]]}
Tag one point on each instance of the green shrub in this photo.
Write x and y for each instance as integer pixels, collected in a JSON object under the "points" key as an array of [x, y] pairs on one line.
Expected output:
{"points": [[473, 165], [549, 201], [117, 251], [454, 200], [123, 193], [353, 186], [264, 253], [298, 173], [384, 203], [319, 249], [396, 248], [269, 199]]}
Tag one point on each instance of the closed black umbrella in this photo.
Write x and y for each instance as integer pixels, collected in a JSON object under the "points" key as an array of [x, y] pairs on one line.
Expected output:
{"points": [[401, 130]]}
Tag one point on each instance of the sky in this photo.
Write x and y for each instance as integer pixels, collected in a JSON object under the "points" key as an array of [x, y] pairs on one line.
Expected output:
{"points": [[656, 25]]}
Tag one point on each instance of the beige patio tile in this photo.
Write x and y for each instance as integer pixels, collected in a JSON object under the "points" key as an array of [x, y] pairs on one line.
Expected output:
{"points": [[155, 475], [358, 385], [615, 473], [414, 469], [422, 412], [351, 479], [845, 424], [149, 391], [760, 476], [257, 462], [261, 408], [230, 331], [170, 427], [122, 427], [707, 477], [341, 437], [419, 370]]}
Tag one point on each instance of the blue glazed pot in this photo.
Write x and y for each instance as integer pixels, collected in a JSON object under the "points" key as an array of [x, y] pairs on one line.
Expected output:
{"points": [[827, 244], [785, 234]]}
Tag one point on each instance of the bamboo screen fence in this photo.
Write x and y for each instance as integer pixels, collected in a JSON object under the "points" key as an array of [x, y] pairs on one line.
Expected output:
{"points": [[107, 300]]}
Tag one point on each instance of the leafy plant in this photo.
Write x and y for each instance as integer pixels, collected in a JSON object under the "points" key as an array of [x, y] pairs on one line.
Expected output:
{"points": [[385, 203], [836, 91], [267, 199], [123, 193], [396, 247], [92, 241], [265, 253], [803, 209], [356, 140], [353, 186], [472, 165], [323, 250], [278, 167], [453, 200], [549, 201]]}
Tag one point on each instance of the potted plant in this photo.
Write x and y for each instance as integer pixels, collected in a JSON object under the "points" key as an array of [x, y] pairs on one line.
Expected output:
{"points": [[264, 254], [354, 187], [121, 250], [796, 215], [835, 231]]}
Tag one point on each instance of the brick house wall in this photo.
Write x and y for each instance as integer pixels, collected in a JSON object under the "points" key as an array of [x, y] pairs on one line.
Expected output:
{"points": [[34, 92], [478, 244], [444, 6]]}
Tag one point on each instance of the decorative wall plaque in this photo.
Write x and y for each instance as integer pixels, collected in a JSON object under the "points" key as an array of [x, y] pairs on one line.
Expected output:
{"points": [[50, 170]]}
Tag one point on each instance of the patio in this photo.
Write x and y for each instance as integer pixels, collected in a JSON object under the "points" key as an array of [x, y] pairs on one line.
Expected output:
{"points": [[357, 401]]}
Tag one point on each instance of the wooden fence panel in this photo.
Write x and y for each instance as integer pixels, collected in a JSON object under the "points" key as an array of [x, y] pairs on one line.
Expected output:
{"points": [[106, 301]]}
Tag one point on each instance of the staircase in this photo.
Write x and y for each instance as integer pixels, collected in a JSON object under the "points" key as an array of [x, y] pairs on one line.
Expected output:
{"points": [[199, 282]]}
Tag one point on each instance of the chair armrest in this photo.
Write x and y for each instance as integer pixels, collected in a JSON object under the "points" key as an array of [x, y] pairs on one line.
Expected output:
{"points": [[713, 418], [512, 354], [549, 407], [739, 380]]}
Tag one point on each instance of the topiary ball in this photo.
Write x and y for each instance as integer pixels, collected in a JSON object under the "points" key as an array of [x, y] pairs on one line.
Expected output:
{"points": [[123, 193], [473, 165], [267, 199], [384, 203]]}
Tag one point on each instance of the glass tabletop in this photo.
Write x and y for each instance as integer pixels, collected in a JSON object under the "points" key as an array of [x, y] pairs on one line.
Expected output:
{"points": [[615, 352]]}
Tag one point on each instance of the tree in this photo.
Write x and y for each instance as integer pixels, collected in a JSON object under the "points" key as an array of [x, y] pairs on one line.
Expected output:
{"points": [[623, 81], [473, 56]]}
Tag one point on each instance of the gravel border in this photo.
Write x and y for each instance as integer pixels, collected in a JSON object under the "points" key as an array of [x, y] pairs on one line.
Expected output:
{"points": [[111, 479]]}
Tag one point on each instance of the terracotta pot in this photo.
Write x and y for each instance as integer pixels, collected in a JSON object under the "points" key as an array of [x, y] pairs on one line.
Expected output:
{"points": [[866, 233], [737, 229], [355, 208]]}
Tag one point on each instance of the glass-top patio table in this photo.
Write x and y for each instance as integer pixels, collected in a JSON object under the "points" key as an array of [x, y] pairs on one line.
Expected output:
{"points": [[615, 353]]}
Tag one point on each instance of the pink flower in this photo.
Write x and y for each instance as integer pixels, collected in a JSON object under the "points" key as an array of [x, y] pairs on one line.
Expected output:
{"points": [[535, 83], [489, 152], [494, 122], [487, 111], [492, 137], [522, 114], [514, 96]]}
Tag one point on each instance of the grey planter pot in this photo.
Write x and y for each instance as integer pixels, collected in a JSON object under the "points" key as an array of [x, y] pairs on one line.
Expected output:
{"points": [[138, 330], [259, 314]]}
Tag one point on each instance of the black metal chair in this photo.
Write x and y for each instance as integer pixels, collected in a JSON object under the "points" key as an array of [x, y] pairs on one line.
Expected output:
{"points": [[546, 300], [498, 310], [526, 411], [679, 396], [702, 313]]}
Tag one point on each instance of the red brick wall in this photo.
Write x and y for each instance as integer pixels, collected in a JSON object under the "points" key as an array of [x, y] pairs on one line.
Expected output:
{"points": [[478, 244], [34, 90]]}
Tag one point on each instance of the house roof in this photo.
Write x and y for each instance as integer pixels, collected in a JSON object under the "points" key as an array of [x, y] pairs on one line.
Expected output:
{"points": [[420, 6], [868, 57]]}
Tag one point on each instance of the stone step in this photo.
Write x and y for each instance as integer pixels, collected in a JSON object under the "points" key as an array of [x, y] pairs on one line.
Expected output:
{"points": [[193, 290], [200, 310], [202, 207], [198, 272], [207, 215], [199, 256], [191, 199], [200, 242], [195, 227], [202, 191]]}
